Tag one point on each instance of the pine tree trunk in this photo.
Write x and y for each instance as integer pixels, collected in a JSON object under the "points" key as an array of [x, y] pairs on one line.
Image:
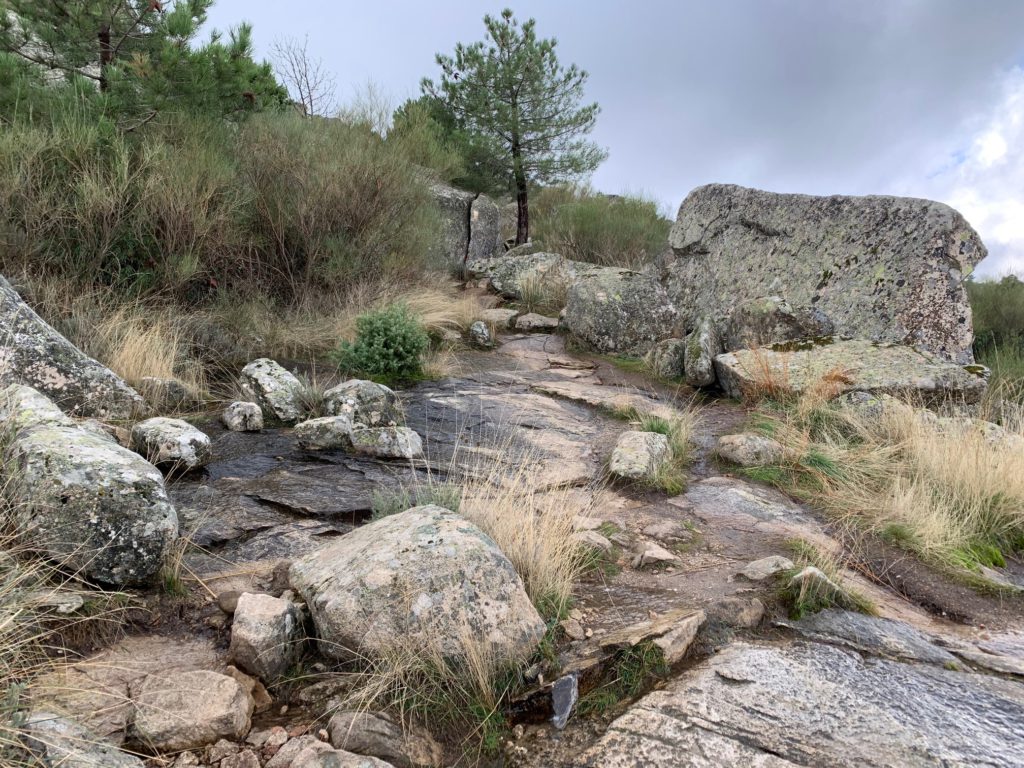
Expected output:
{"points": [[106, 55], [522, 201]]}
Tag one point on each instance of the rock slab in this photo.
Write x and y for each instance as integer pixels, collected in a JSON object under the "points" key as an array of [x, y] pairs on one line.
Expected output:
{"points": [[811, 704], [851, 365]]}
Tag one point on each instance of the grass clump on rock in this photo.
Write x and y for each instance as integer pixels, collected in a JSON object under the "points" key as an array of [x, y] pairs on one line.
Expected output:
{"points": [[389, 347]]}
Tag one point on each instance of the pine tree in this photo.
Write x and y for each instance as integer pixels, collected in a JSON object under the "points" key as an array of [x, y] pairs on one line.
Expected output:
{"points": [[139, 55], [512, 89]]}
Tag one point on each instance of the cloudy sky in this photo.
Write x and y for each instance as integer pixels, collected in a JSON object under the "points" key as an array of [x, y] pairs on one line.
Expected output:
{"points": [[907, 97]]}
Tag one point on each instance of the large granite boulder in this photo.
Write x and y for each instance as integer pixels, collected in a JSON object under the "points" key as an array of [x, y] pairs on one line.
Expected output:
{"points": [[471, 225], [772, 320], [851, 365], [618, 311], [33, 353], [425, 575], [812, 704], [94, 506], [880, 268]]}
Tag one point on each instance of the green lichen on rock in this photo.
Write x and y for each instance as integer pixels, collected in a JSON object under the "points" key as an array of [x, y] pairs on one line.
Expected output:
{"points": [[880, 268]]}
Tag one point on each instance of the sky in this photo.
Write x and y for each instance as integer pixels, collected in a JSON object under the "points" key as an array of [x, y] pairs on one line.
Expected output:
{"points": [[923, 98]]}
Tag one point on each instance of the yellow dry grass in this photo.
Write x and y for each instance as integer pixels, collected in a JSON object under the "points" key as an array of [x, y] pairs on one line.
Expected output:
{"points": [[949, 489]]}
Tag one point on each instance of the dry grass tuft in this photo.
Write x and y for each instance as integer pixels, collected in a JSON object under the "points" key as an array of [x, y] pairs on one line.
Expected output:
{"points": [[945, 488], [768, 381]]}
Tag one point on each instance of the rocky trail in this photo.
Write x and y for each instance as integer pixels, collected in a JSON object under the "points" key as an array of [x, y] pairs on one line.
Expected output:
{"points": [[748, 687]]}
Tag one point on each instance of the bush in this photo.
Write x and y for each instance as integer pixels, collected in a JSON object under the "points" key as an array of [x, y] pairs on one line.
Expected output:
{"points": [[624, 231], [389, 346]]}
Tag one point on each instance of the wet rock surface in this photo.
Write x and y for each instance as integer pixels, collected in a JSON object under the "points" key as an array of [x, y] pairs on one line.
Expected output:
{"points": [[816, 705]]}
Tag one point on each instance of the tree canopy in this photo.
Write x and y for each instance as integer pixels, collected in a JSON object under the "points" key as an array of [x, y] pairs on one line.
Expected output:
{"points": [[138, 56], [512, 91]]}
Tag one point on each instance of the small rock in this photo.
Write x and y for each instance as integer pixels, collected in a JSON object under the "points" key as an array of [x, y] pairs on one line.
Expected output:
{"points": [[186, 760], [638, 455], [304, 746], [480, 335], [366, 403], [592, 540], [327, 433], [532, 322], [737, 612], [220, 750], [243, 417], [750, 450], [388, 442], [378, 735], [264, 635], [573, 629], [812, 580], [228, 601], [499, 317], [653, 554], [171, 442], [186, 710], [244, 759], [766, 567], [564, 695], [676, 642]]}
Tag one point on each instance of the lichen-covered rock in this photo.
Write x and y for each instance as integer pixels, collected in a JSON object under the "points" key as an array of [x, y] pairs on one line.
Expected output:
{"points": [[186, 710], [425, 575], [618, 311], [520, 272], [771, 320], [22, 407], [277, 391], [703, 345], [264, 635], [388, 442], [328, 433], [852, 365], [534, 322], [367, 403], [240, 416], [750, 450], [172, 443], [96, 507], [166, 394], [667, 359], [638, 455], [867, 406], [377, 734], [480, 335], [471, 224], [885, 269], [34, 354]]}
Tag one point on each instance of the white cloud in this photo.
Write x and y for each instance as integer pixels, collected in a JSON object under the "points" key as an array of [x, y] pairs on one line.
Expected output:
{"points": [[987, 183]]}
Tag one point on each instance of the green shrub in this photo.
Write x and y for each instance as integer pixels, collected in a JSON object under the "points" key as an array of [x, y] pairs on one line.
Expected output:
{"points": [[389, 346], [609, 230]]}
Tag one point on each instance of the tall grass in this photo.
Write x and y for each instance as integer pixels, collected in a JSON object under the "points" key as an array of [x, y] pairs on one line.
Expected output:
{"points": [[623, 231], [942, 488]]}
